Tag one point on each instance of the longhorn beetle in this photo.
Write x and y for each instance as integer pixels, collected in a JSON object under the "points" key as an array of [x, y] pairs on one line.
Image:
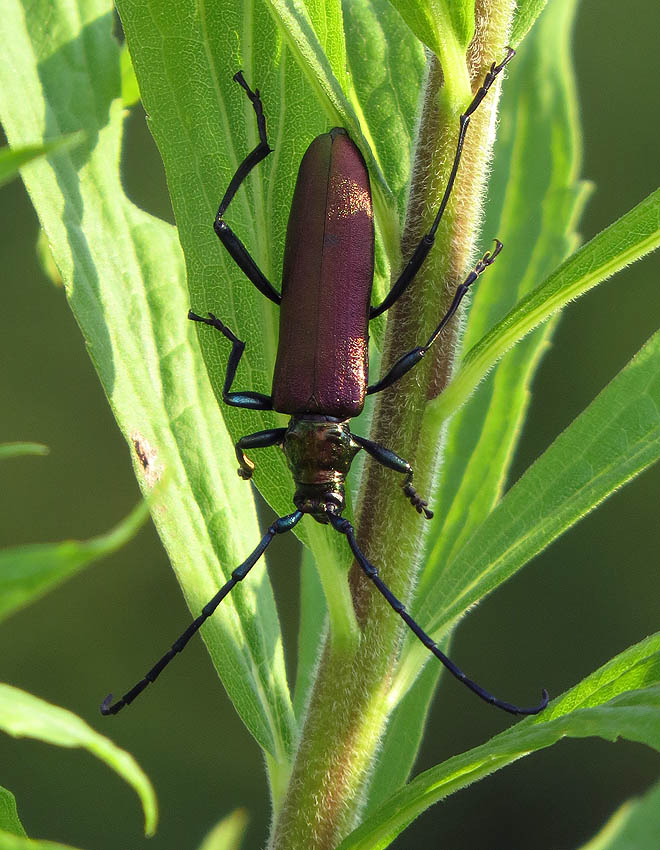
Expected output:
{"points": [[320, 377]]}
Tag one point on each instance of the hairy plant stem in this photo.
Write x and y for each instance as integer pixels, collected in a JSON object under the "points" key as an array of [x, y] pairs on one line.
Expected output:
{"points": [[350, 705]]}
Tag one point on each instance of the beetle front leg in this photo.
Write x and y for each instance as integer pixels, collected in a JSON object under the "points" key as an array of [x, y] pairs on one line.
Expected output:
{"points": [[407, 361], [398, 464], [259, 440], [226, 235], [247, 399]]}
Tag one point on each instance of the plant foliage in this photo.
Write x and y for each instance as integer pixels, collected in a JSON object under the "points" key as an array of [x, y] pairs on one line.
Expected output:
{"points": [[130, 278]]}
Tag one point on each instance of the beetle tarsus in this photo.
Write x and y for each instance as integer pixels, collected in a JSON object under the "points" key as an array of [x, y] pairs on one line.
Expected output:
{"points": [[106, 706], [416, 501], [419, 504], [489, 257], [245, 469]]}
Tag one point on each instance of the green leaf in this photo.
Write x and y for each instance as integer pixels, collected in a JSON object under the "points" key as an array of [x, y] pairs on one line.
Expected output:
{"points": [[326, 71], [634, 826], [14, 158], [315, 36], [9, 820], [631, 237], [204, 126], [14, 842], [124, 276], [228, 834], [613, 440], [25, 716], [22, 449], [444, 26], [527, 11], [534, 201], [387, 66], [28, 572], [621, 699]]}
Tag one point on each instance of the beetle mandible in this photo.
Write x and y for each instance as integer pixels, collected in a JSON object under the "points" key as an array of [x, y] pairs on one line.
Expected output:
{"points": [[321, 375]]}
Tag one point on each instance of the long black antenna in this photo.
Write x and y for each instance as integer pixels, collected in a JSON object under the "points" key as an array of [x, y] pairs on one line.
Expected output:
{"points": [[280, 525], [343, 525]]}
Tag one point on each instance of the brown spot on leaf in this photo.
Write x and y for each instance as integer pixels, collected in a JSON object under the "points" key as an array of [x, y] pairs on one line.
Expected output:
{"points": [[147, 457]]}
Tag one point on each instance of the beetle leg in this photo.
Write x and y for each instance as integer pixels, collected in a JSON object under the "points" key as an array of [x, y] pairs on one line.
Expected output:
{"points": [[247, 399], [407, 361], [415, 262], [278, 527], [343, 525], [232, 243], [398, 464], [259, 440]]}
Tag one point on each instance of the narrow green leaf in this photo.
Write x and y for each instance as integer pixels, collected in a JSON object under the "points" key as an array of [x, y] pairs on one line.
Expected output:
{"points": [[21, 449], [9, 820], [613, 440], [15, 842], [527, 11], [14, 158], [631, 237], [25, 716], [228, 834], [634, 826], [314, 33], [124, 276], [327, 20], [621, 699], [28, 572]]}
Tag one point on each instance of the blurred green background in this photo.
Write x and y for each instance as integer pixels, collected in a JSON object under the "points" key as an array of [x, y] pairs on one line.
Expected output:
{"points": [[595, 592]]}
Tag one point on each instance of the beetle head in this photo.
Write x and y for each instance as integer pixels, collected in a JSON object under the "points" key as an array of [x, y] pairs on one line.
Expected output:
{"points": [[319, 451]]}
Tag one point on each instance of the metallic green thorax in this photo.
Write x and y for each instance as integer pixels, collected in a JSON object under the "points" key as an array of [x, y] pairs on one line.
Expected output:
{"points": [[319, 451]]}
